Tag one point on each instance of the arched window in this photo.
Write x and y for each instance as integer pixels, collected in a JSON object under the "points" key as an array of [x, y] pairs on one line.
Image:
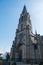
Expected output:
{"points": [[20, 55], [22, 18], [21, 27]]}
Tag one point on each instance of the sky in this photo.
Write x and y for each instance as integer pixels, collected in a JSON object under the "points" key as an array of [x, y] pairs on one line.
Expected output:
{"points": [[10, 11]]}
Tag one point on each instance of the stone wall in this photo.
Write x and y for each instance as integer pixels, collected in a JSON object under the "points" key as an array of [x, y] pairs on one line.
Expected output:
{"points": [[20, 63]]}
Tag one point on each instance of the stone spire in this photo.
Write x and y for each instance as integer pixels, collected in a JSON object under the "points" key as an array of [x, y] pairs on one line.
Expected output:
{"points": [[24, 9]]}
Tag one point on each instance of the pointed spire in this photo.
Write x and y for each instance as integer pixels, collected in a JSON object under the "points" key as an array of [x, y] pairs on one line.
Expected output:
{"points": [[24, 9], [35, 32]]}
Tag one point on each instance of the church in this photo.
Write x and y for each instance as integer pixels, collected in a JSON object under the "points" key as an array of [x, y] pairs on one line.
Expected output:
{"points": [[27, 46]]}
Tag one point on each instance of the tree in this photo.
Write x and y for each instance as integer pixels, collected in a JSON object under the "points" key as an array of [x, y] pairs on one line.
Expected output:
{"points": [[7, 56]]}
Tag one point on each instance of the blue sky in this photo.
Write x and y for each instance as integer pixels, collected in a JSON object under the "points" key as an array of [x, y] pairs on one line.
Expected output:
{"points": [[10, 11]]}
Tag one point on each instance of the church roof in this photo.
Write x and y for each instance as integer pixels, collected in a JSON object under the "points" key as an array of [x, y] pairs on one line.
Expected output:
{"points": [[42, 37]]}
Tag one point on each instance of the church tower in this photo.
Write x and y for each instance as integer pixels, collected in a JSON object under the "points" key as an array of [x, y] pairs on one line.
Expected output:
{"points": [[23, 45]]}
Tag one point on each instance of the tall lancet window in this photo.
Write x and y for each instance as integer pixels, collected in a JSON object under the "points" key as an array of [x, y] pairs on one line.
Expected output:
{"points": [[22, 18], [21, 27]]}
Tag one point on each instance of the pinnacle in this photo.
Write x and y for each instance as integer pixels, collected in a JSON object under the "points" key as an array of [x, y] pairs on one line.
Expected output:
{"points": [[24, 9]]}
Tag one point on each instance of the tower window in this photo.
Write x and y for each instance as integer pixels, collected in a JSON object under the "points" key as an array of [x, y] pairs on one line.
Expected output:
{"points": [[22, 18], [21, 27]]}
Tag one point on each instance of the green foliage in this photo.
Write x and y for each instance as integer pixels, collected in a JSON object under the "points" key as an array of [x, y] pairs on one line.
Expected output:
{"points": [[41, 63]]}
